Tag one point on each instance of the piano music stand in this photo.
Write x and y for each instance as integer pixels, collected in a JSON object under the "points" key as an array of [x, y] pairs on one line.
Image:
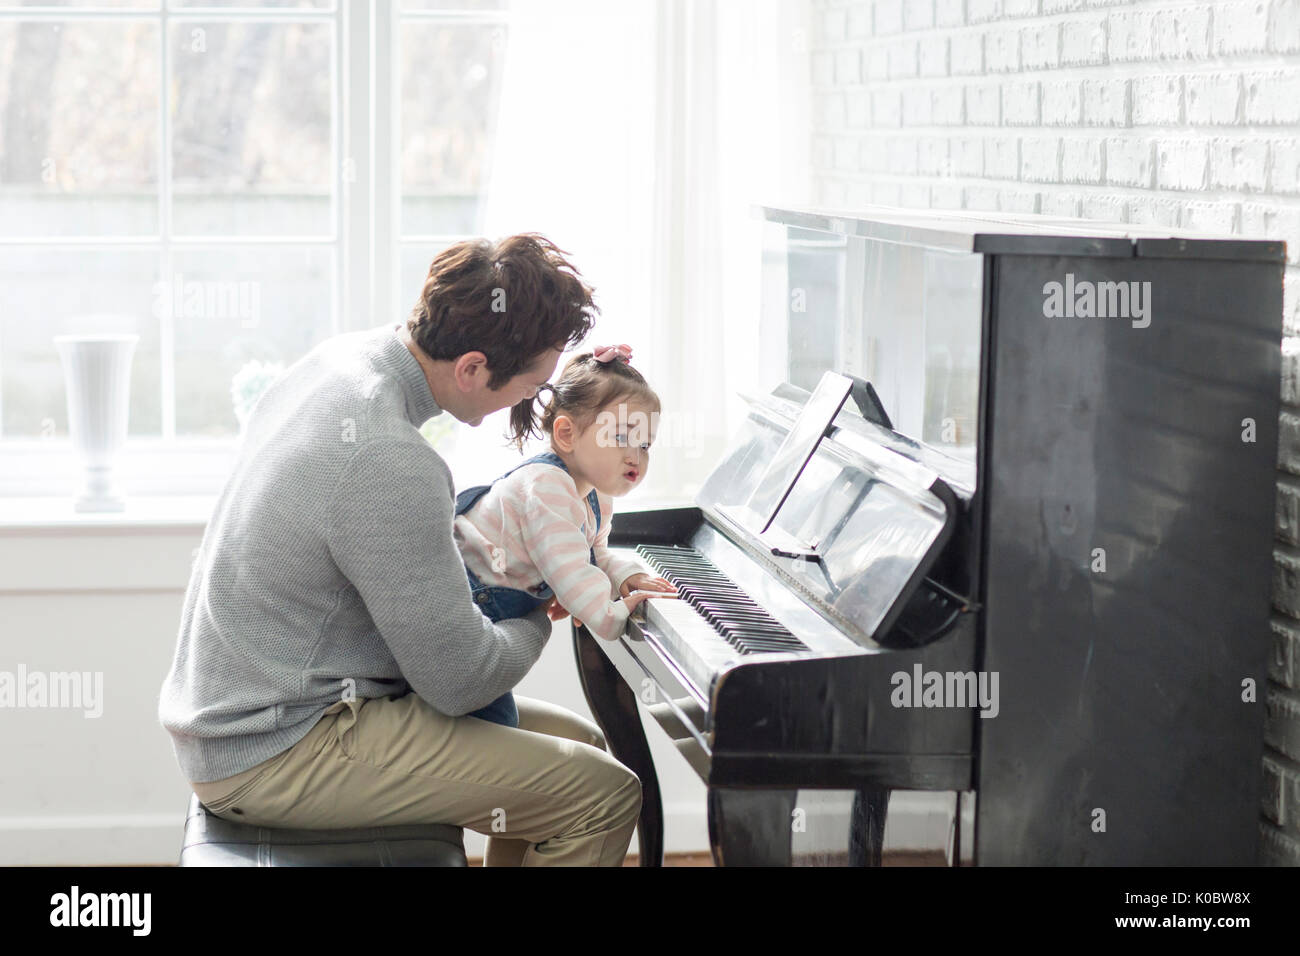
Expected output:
{"points": [[758, 514]]}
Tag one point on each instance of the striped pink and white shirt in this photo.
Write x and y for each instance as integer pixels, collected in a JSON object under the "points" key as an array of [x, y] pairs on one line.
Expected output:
{"points": [[528, 529]]}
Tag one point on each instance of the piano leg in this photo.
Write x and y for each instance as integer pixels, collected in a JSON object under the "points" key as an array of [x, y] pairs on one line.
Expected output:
{"points": [[867, 826], [750, 827], [614, 706]]}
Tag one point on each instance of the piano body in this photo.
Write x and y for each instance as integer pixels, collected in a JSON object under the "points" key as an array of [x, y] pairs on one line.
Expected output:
{"points": [[987, 538]]}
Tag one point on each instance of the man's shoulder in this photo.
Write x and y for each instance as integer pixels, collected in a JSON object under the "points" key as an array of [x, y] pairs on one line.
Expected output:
{"points": [[352, 360], [388, 482], [338, 392], [357, 342], [398, 456], [348, 354]]}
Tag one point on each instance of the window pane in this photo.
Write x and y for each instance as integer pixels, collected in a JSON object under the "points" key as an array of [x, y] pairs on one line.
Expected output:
{"points": [[253, 4], [451, 87], [78, 128], [237, 311], [416, 259], [455, 4], [251, 147], [39, 4], [58, 292]]}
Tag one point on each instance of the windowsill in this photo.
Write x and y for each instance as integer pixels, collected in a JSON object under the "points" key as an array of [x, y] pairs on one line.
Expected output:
{"points": [[45, 475], [174, 512]]}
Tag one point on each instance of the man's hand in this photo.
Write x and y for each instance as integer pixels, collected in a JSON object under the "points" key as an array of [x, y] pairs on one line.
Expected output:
{"points": [[554, 611], [644, 582]]}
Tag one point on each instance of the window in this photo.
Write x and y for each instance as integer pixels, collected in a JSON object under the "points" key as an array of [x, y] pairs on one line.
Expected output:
{"points": [[211, 176], [236, 180]]}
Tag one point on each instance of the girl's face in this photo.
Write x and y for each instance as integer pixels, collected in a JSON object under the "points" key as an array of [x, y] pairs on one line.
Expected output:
{"points": [[613, 452]]}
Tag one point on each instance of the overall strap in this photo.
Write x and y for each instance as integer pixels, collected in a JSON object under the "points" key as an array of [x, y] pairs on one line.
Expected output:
{"points": [[549, 458], [467, 498], [471, 495]]}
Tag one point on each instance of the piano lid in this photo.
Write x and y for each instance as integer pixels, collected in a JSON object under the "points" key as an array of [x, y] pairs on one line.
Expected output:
{"points": [[849, 523], [1031, 234]]}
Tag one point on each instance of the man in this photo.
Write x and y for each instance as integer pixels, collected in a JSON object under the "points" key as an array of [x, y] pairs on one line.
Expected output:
{"points": [[329, 649]]}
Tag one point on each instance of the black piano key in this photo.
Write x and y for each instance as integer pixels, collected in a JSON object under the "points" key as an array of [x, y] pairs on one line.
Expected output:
{"points": [[746, 647], [749, 633], [736, 608], [724, 604], [755, 623], [733, 630], [752, 627]]}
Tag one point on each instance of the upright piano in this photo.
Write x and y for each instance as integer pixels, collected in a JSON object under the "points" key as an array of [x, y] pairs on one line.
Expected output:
{"points": [[1000, 534]]}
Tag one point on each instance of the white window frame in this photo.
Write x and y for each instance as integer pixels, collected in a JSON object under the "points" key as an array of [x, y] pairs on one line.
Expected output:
{"points": [[365, 242]]}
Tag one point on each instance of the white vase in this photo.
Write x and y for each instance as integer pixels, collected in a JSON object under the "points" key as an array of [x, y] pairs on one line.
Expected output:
{"points": [[97, 370]]}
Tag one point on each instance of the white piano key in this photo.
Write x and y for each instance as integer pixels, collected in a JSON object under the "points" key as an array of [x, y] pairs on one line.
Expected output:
{"points": [[685, 623]]}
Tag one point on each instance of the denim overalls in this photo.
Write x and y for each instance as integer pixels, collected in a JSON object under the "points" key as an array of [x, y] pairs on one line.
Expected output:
{"points": [[499, 603]]}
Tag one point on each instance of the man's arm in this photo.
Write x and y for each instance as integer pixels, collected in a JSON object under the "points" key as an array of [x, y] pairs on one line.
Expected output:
{"points": [[390, 533]]}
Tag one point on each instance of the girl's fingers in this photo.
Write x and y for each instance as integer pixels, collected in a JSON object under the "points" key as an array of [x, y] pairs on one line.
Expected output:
{"points": [[652, 584]]}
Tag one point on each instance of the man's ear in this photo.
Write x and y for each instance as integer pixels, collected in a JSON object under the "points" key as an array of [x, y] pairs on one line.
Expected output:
{"points": [[564, 433], [470, 371]]}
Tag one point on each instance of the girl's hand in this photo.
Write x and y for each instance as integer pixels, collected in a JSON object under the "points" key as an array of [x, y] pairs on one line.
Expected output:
{"points": [[634, 599], [644, 582]]}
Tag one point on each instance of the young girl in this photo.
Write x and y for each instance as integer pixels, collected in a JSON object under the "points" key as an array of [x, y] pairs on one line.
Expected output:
{"points": [[540, 530]]}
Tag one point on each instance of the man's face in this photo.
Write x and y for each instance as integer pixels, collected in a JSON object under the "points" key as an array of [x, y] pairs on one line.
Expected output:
{"points": [[486, 400]]}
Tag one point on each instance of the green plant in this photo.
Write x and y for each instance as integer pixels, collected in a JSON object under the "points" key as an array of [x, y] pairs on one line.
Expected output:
{"points": [[248, 384], [438, 429]]}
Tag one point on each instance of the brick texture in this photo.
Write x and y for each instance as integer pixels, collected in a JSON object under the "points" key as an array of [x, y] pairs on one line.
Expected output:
{"points": [[1169, 113]]}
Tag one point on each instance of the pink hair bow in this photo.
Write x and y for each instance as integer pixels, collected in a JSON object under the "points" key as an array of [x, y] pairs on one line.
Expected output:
{"points": [[608, 353]]}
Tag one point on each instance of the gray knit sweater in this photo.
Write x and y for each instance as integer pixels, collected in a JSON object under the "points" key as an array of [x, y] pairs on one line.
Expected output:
{"points": [[328, 569]]}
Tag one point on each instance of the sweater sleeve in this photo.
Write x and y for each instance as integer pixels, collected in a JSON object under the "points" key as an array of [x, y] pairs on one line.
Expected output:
{"points": [[618, 567], [390, 533], [552, 534]]}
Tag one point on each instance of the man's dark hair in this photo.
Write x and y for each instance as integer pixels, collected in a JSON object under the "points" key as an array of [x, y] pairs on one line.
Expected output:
{"points": [[511, 300]]}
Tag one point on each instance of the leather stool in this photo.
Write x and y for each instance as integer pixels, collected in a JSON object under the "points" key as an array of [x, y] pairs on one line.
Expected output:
{"points": [[212, 841]]}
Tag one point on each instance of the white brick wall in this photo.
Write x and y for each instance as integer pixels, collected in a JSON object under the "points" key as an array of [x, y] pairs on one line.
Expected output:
{"points": [[1178, 114]]}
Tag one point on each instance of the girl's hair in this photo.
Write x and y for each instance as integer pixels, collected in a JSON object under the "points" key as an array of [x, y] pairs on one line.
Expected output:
{"points": [[582, 390]]}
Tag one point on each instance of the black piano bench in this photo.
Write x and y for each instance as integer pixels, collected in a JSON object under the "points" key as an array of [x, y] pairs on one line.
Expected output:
{"points": [[212, 841]]}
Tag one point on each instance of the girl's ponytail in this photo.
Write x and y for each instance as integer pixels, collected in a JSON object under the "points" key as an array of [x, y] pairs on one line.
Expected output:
{"points": [[525, 422]]}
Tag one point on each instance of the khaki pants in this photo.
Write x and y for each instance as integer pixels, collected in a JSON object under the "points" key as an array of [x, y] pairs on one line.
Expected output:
{"points": [[545, 793]]}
